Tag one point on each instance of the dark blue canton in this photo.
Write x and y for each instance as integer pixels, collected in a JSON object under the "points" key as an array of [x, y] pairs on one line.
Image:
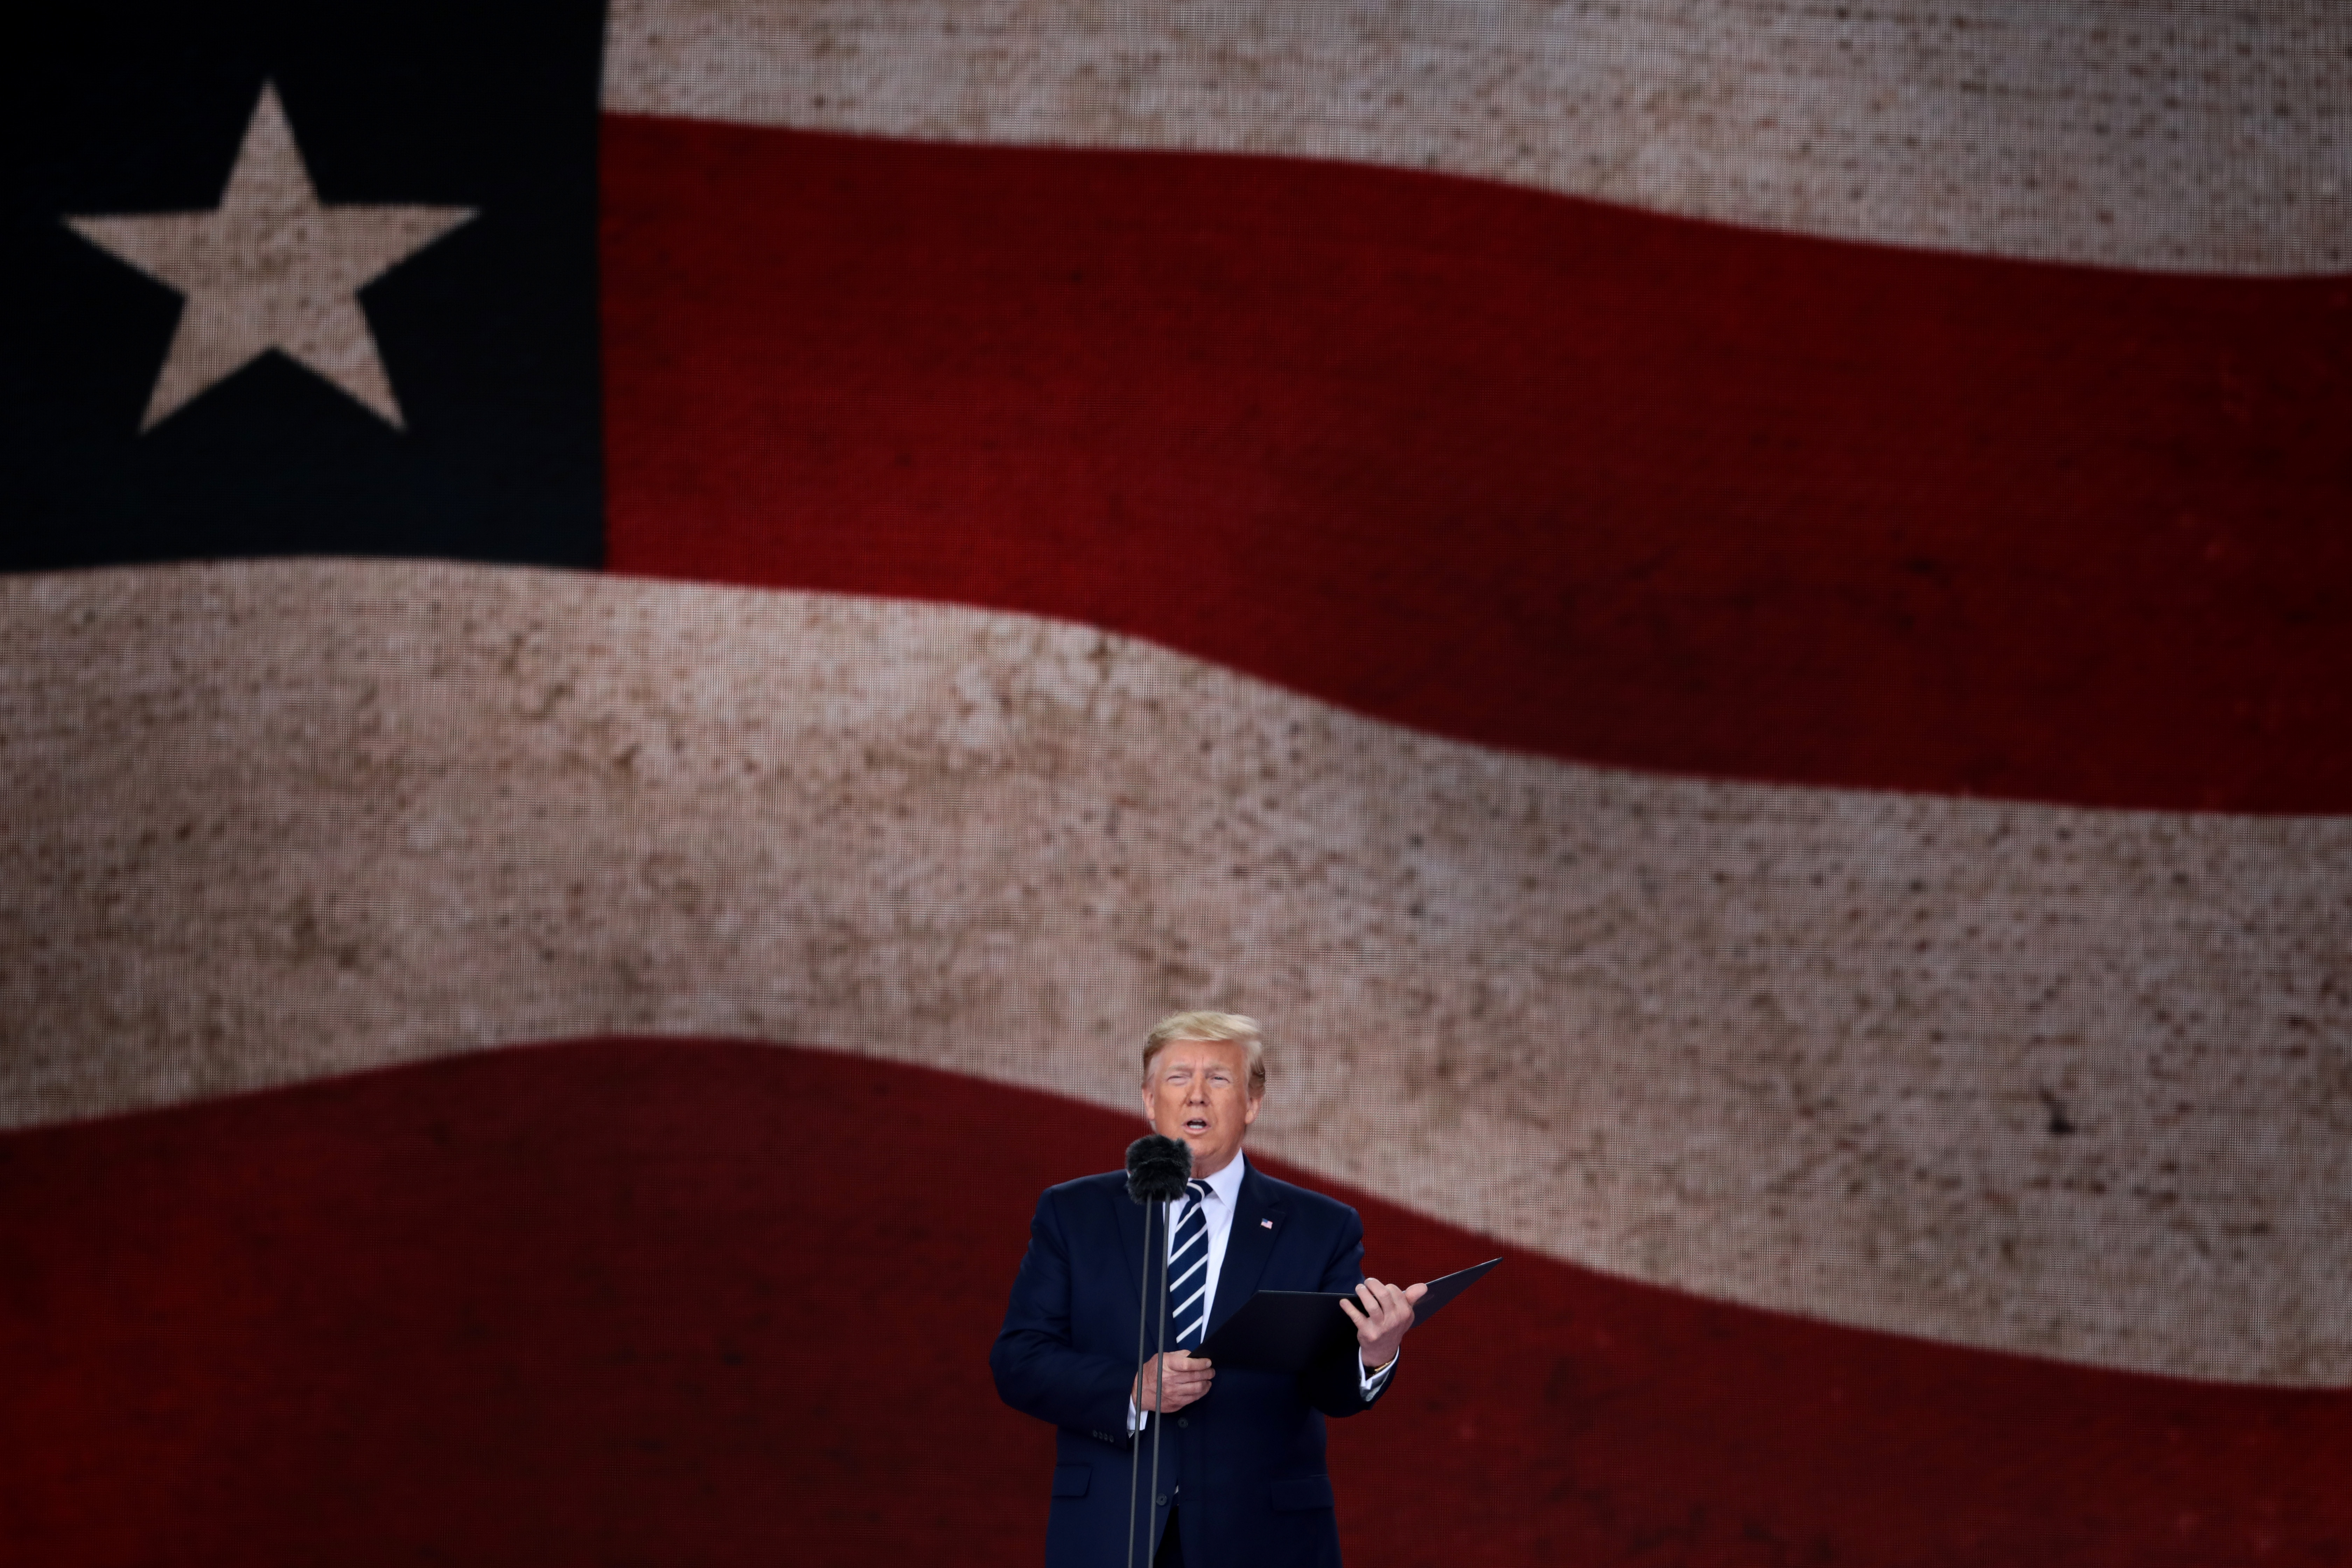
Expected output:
{"points": [[488, 336], [1188, 1270]]}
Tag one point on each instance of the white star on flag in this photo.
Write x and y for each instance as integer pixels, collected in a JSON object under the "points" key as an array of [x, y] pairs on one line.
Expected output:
{"points": [[271, 269]]}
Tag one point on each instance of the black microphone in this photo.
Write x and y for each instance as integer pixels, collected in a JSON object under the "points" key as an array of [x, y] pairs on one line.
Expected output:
{"points": [[1157, 1170]]}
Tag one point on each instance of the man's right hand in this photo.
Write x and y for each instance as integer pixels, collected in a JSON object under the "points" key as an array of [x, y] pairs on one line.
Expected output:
{"points": [[1188, 1379]]}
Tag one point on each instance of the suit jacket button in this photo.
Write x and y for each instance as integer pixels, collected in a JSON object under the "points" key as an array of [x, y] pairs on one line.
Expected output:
{"points": [[1163, 1499], [1183, 1421]]}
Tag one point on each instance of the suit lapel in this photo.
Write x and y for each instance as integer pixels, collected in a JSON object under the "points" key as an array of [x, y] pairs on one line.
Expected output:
{"points": [[1248, 1247]]}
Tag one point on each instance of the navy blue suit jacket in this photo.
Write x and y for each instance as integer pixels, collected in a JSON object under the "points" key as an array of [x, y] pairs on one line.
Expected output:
{"points": [[1248, 1456]]}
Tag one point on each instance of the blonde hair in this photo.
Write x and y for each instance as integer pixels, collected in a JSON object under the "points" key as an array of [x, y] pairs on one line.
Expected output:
{"points": [[1210, 1026]]}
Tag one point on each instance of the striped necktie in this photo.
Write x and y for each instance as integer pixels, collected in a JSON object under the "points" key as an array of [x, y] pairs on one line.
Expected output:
{"points": [[1188, 1270]]}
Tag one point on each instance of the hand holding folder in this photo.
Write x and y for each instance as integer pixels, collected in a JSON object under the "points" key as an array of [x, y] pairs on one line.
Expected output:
{"points": [[1290, 1331]]}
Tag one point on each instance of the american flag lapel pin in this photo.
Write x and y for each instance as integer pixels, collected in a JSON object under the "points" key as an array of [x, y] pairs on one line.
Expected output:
{"points": [[1266, 1223]]}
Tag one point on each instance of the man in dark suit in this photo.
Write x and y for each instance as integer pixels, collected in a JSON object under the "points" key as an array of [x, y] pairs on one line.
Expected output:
{"points": [[1241, 1477]]}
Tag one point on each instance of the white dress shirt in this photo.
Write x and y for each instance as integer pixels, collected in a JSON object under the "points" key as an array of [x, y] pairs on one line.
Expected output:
{"points": [[1217, 1212]]}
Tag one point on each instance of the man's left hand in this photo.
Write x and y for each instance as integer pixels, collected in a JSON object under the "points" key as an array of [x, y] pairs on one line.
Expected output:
{"points": [[1381, 1326]]}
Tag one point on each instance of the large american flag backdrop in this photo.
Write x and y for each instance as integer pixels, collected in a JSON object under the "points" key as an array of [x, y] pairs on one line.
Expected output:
{"points": [[637, 646]]}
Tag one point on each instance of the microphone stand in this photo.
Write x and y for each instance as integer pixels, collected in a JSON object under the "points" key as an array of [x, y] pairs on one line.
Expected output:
{"points": [[1155, 1164], [1135, 1441], [1158, 1417], [1160, 1372]]}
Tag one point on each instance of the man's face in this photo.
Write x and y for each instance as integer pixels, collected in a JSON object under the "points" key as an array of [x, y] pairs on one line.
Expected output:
{"points": [[1199, 1091]]}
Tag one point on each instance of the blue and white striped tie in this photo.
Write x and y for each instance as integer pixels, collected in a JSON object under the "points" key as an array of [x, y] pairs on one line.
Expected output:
{"points": [[1188, 1270]]}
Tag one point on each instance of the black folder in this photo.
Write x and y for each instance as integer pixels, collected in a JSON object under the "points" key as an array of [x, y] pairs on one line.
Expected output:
{"points": [[1290, 1331]]}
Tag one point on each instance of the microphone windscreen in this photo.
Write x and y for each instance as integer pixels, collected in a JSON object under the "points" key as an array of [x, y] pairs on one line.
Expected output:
{"points": [[1157, 1169]]}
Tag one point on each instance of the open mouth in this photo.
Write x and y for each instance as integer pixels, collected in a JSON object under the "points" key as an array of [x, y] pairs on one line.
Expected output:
{"points": [[1196, 1125]]}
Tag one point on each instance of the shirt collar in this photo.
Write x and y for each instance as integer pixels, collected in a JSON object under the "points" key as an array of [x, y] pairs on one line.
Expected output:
{"points": [[1227, 1183]]}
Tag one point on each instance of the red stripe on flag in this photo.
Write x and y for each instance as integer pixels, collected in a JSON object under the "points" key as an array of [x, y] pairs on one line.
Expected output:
{"points": [[1508, 466], [708, 1303]]}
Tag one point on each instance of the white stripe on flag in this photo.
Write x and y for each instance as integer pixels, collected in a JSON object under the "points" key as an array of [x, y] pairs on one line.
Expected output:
{"points": [[2042, 1079]]}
